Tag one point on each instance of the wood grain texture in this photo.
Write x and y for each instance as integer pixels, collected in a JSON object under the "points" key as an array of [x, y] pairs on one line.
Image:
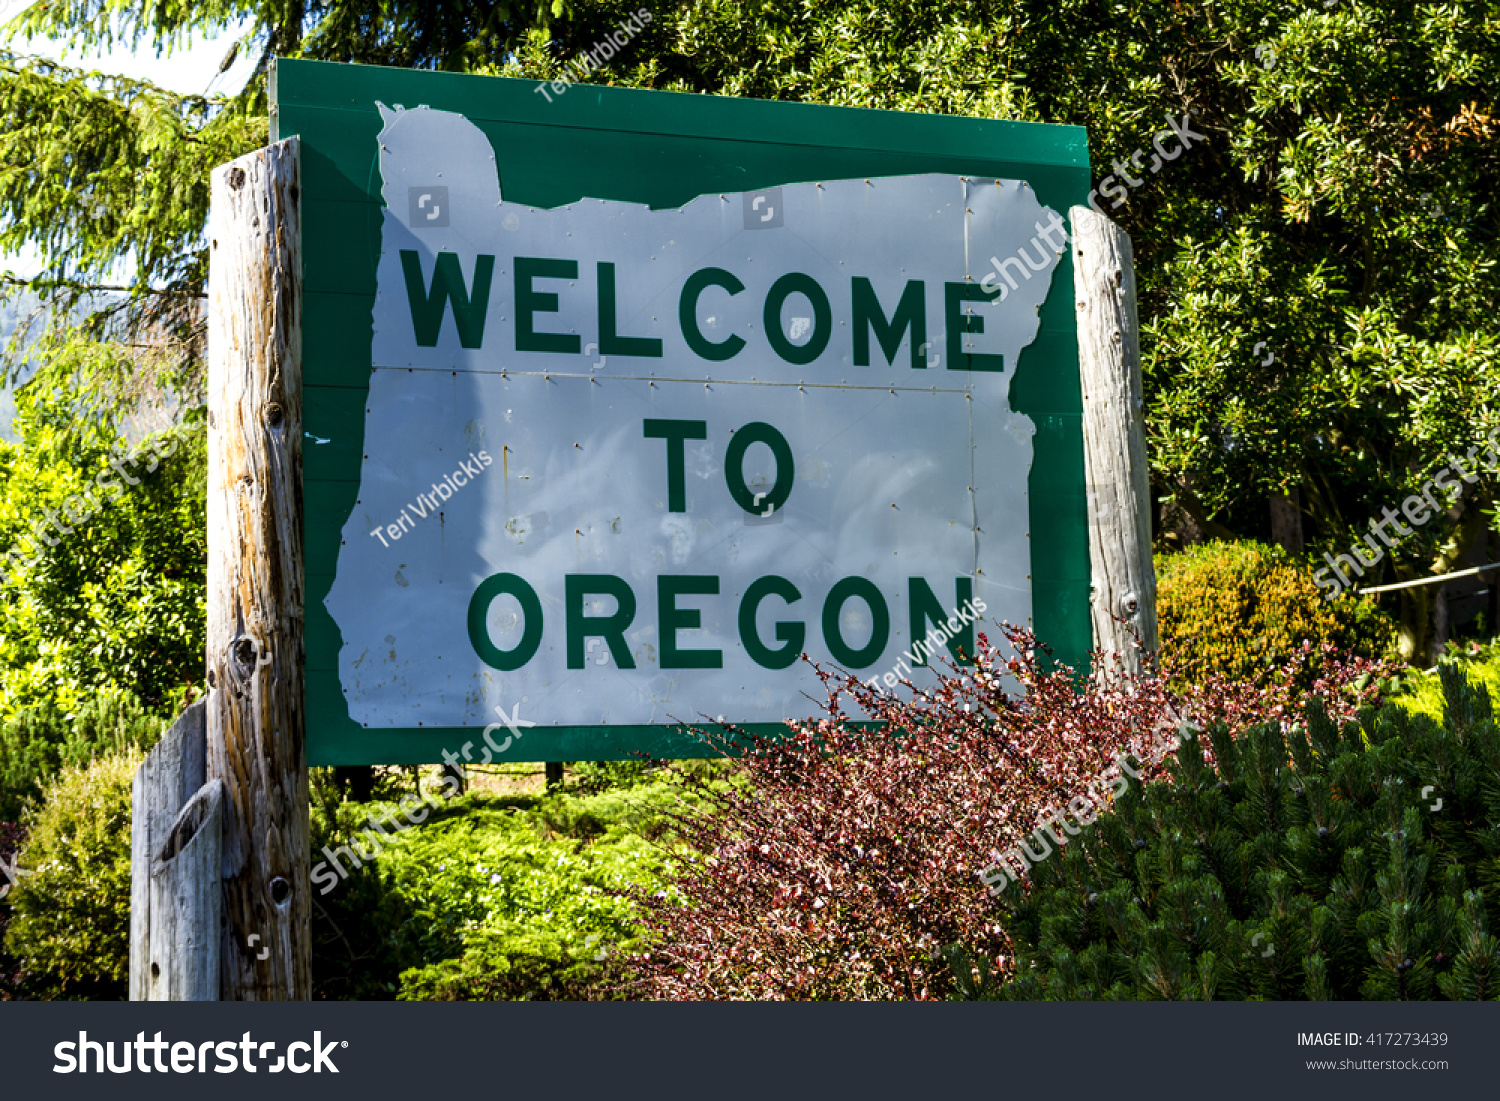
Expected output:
{"points": [[256, 719], [167, 780], [187, 903], [1114, 437]]}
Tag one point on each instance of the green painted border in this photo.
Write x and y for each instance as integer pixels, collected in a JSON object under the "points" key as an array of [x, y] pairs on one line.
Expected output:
{"points": [[661, 148]]}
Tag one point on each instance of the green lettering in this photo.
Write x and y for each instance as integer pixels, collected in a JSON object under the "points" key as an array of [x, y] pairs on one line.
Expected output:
{"points": [[926, 608], [675, 432], [959, 323], [880, 632], [479, 629], [447, 286], [610, 342], [911, 313], [734, 473], [530, 302], [611, 628], [794, 634], [671, 619], [797, 283], [687, 314]]}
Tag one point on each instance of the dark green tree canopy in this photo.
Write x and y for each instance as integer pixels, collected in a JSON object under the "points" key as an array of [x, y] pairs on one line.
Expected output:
{"points": [[1317, 274]]}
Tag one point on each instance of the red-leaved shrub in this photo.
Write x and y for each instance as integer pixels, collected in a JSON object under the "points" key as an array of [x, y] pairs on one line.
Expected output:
{"points": [[840, 860]]}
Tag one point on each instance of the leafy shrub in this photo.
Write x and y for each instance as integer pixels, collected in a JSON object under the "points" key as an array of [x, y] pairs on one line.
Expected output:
{"points": [[119, 602], [1238, 609], [842, 860], [11, 836], [71, 924], [508, 960], [39, 740], [1316, 867], [489, 897]]}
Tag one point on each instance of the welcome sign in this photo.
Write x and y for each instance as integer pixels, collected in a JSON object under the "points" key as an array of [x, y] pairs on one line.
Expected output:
{"points": [[619, 405]]}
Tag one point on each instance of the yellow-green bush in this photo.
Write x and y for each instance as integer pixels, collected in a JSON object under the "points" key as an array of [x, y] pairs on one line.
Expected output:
{"points": [[1422, 693], [71, 923], [1240, 608]]}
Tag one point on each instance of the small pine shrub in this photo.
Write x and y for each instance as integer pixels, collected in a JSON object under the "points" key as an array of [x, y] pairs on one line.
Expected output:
{"points": [[71, 923], [1238, 609], [1293, 867]]}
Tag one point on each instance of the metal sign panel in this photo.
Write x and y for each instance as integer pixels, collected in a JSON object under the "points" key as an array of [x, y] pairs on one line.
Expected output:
{"points": [[601, 444]]}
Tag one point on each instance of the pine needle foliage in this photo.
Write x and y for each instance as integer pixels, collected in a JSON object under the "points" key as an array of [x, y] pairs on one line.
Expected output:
{"points": [[1360, 861]]}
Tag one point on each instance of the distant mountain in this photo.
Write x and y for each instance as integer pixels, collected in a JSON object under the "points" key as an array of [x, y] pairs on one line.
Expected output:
{"points": [[13, 314]]}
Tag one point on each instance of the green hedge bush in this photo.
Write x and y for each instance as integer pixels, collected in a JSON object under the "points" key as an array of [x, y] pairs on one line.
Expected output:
{"points": [[491, 897], [37, 741], [71, 916], [11, 836], [1237, 609], [1354, 863]]}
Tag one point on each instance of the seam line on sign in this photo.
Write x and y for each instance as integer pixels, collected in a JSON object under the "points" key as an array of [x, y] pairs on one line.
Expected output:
{"points": [[1078, 153], [974, 496], [883, 386]]}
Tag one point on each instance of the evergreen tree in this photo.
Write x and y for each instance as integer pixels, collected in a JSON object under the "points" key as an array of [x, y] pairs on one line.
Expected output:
{"points": [[1330, 864]]}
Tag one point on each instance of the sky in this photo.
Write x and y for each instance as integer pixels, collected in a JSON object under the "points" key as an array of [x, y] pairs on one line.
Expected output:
{"points": [[194, 69]]}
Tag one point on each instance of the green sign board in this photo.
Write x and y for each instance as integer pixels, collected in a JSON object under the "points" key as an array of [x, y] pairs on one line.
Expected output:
{"points": [[618, 403]]}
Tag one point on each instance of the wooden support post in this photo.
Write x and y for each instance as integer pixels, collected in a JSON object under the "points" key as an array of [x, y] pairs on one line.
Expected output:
{"points": [[175, 861], [256, 730], [187, 902], [1114, 436]]}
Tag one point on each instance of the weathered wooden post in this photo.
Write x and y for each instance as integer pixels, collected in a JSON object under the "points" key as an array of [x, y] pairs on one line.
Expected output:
{"points": [[256, 724], [175, 860], [1114, 437]]}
